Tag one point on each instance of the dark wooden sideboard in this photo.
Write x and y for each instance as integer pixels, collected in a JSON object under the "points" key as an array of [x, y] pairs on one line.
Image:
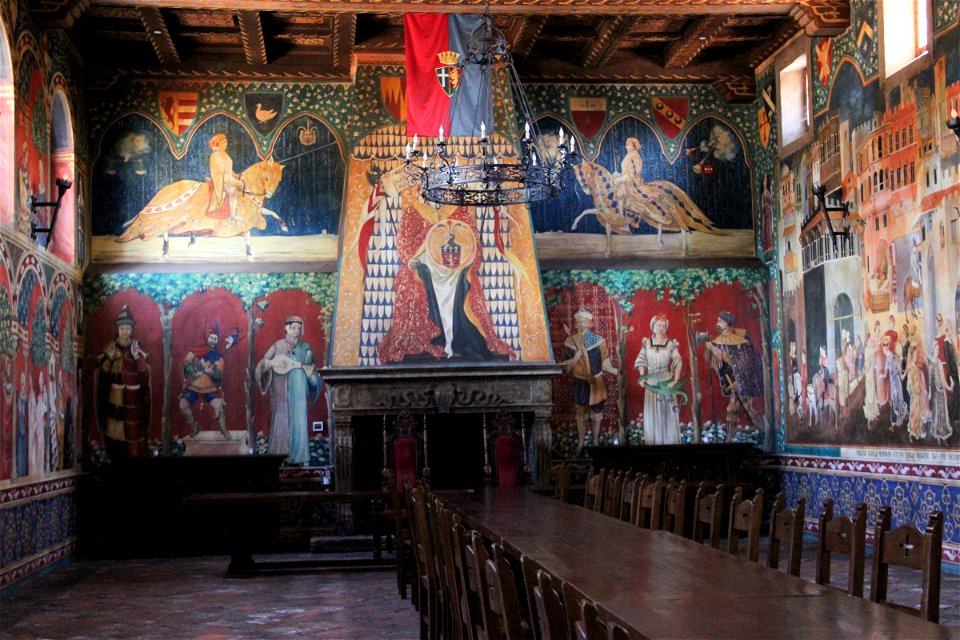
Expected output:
{"points": [[721, 463]]}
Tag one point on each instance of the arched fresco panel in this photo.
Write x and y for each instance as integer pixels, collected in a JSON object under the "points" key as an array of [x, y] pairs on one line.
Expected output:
{"points": [[631, 187], [688, 347], [124, 368], [32, 140], [61, 375], [209, 373], [31, 394], [288, 396], [9, 345]]}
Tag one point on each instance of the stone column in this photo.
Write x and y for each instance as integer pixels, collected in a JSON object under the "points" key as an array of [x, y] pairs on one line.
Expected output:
{"points": [[541, 441], [342, 454]]}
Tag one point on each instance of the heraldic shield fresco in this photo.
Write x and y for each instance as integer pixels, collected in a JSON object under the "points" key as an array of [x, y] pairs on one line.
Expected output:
{"points": [[421, 284]]}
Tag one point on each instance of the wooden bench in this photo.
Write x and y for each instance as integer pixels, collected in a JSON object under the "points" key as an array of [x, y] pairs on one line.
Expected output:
{"points": [[239, 520]]}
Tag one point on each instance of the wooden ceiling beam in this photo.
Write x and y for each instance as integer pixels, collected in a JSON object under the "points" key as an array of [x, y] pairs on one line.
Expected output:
{"points": [[159, 36], [344, 37], [607, 42], [697, 37], [516, 7], [768, 47], [526, 33], [251, 32]]}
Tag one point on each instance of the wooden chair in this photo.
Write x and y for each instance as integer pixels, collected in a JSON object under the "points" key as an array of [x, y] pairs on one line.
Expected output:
{"points": [[842, 535], [612, 493], [707, 512], [507, 445], [745, 517], [470, 608], [450, 595], [423, 552], [545, 595], [587, 623], [649, 511], [401, 467], [627, 496], [561, 486], [907, 546], [786, 525], [504, 604], [675, 506], [475, 555], [593, 490]]}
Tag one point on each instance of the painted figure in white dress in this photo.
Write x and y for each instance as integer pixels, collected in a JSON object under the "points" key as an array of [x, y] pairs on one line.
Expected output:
{"points": [[659, 366]]}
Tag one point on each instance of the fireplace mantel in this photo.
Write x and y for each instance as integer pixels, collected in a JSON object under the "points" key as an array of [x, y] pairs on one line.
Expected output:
{"points": [[454, 389]]}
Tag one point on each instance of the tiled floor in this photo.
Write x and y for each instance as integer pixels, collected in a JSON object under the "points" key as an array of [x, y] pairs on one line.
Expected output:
{"points": [[190, 598]]}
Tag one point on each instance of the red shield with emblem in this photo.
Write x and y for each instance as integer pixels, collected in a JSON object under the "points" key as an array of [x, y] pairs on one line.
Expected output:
{"points": [[764, 125], [393, 94], [670, 114], [588, 114], [178, 109]]}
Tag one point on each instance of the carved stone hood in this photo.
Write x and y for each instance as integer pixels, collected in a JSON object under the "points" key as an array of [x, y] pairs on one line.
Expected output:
{"points": [[361, 391]]}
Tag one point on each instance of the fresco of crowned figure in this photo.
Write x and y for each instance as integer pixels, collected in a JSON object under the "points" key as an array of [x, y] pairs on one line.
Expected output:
{"points": [[440, 312]]}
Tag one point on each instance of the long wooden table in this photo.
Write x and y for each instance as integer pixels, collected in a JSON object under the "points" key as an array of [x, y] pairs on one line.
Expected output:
{"points": [[660, 585]]}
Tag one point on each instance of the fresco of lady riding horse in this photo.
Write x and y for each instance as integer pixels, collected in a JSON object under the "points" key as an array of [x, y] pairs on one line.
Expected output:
{"points": [[220, 186], [635, 186]]}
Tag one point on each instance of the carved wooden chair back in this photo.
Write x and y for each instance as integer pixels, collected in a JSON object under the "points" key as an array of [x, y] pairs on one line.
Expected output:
{"points": [[504, 601], [649, 511], [613, 492], [476, 560], [471, 612], [593, 490], [786, 526], [907, 546], [546, 598], [844, 535], [628, 495], [428, 600], [745, 517], [450, 592], [675, 506], [561, 486], [587, 621], [707, 512]]}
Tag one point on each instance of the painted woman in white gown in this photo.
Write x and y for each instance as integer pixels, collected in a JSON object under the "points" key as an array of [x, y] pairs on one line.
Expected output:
{"points": [[659, 366]]}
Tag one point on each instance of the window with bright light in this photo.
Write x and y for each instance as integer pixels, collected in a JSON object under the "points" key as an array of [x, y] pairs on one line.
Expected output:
{"points": [[794, 103], [906, 33]]}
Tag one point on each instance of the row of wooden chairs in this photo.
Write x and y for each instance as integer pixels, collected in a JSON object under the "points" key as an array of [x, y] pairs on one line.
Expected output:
{"points": [[467, 588], [651, 504]]}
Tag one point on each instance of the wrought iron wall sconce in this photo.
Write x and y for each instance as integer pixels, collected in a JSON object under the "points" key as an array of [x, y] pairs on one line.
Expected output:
{"points": [[954, 123], [62, 186], [819, 193]]}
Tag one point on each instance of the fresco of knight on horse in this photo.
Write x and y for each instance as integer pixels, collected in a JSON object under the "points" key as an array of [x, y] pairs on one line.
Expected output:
{"points": [[184, 207]]}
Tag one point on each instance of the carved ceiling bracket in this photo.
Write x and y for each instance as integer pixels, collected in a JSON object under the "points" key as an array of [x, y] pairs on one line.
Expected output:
{"points": [[737, 89], [57, 14], [822, 17]]}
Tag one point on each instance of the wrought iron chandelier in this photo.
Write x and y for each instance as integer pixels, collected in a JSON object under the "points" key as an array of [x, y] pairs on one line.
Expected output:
{"points": [[484, 172]]}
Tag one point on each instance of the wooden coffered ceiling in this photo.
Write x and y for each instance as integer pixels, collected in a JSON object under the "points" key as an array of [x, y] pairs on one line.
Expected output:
{"points": [[713, 41]]}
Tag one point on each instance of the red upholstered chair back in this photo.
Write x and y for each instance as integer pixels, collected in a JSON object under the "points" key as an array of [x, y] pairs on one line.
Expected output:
{"points": [[405, 461], [507, 459]]}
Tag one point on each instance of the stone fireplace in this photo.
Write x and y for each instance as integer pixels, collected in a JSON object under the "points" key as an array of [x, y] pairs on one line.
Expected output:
{"points": [[357, 393]]}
